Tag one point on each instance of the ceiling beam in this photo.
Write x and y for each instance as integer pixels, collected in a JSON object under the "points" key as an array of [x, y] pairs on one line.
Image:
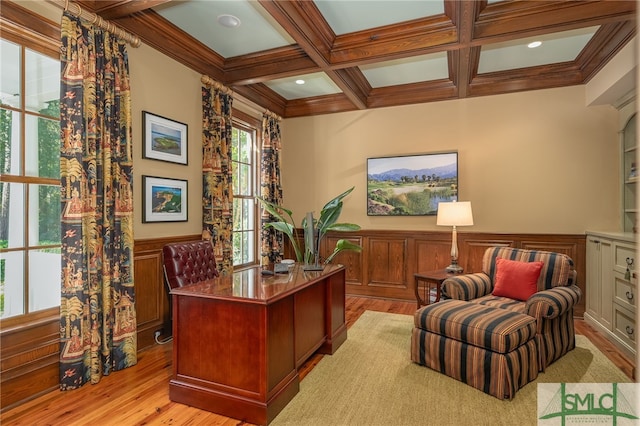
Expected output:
{"points": [[306, 25], [533, 78], [466, 60], [114, 9], [517, 19], [464, 28], [268, 65], [603, 46], [417, 37]]}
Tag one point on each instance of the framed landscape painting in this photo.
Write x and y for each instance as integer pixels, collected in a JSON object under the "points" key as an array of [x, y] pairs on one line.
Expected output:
{"points": [[411, 185], [164, 200], [164, 139]]}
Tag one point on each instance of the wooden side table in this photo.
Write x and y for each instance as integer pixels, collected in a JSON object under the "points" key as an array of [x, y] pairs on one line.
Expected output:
{"points": [[425, 282]]}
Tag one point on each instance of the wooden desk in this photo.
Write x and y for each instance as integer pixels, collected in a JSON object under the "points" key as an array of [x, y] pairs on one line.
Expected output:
{"points": [[425, 282], [238, 341]]}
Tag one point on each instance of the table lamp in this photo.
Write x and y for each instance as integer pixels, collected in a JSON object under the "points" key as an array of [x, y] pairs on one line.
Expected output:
{"points": [[454, 214]]}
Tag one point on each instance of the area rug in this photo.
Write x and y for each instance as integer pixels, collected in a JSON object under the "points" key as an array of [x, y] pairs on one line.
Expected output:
{"points": [[371, 380]]}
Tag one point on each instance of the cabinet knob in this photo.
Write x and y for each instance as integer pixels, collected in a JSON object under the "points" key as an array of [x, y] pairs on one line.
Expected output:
{"points": [[629, 330], [629, 295]]}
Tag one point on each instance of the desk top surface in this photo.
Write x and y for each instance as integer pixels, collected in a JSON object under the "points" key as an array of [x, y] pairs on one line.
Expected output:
{"points": [[249, 285]]}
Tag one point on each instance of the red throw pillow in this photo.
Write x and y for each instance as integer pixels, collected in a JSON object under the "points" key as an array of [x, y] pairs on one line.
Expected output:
{"points": [[516, 280]]}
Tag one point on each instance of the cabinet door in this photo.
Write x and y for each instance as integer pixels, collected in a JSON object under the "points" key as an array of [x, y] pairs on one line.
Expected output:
{"points": [[600, 280], [593, 268]]}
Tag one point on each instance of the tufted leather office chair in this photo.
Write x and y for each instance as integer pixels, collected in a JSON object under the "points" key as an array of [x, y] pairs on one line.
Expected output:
{"points": [[188, 262]]}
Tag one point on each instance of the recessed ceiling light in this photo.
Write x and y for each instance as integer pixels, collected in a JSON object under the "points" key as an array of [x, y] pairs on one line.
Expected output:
{"points": [[534, 44], [299, 81], [228, 21]]}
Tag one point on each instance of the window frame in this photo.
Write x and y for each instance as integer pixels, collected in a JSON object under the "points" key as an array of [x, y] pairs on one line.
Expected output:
{"points": [[41, 36], [246, 122]]}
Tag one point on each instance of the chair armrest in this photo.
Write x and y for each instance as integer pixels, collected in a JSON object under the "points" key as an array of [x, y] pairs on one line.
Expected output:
{"points": [[467, 286], [553, 302]]}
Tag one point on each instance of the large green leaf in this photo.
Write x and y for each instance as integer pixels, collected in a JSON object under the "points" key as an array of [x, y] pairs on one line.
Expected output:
{"points": [[276, 210], [344, 227], [339, 198], [328, 216], [283, 225], [312, 238], [343, 245]]}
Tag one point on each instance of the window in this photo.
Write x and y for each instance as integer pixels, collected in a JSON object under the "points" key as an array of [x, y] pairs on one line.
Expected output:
{"points": [[245, 172], [30, 180]]}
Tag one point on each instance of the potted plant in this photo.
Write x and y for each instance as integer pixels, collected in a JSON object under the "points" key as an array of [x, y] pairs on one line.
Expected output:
{"points": [[314, 230]]}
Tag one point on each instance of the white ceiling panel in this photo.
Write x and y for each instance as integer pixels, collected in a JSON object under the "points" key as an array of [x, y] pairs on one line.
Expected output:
{"points": [[316, 84], [556, 47], [257, 30], [410, 70], [346, 16]]}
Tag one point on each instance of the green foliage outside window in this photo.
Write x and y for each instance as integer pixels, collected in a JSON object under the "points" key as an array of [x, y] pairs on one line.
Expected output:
{"points": [[49, 166], [5, 163]]}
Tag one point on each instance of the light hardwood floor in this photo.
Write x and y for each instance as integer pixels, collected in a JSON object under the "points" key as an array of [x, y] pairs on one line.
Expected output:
{"points": [[140, 395]]}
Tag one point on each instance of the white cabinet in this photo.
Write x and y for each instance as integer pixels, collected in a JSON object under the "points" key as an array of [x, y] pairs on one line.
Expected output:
{"points": [[612, 287]]}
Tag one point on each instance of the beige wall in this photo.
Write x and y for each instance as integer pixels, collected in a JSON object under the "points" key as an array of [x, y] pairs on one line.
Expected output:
{"points": [[164, 87], [532, 162]]}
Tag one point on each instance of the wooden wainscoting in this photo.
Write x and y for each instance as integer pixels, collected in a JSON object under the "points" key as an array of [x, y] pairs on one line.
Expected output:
{"points": [[29, 355], [386, 266], [384, 269], [152, 297]]}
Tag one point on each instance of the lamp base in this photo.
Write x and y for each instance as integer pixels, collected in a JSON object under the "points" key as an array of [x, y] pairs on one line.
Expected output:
{"points": [[454, 268]]}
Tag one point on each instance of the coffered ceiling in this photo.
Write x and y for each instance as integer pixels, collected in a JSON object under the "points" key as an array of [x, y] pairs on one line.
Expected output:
{"points": [[358, 54]]}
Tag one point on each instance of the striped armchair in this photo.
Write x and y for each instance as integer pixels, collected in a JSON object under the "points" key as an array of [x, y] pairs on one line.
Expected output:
{"points": [[551, 306]]}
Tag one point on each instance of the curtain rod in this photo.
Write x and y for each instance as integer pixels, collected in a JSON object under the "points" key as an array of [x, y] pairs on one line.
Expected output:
{"points": [[205, 79], [255, 107], [269, 113], [133, 40]]}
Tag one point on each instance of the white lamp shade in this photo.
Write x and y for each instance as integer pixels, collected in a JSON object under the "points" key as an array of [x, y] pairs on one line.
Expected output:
{"points": [[455, 214]]}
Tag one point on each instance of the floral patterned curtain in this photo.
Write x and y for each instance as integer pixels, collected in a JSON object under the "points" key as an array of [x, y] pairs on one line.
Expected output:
{"points": [[217, 189], [97, 309], [270, 188]]}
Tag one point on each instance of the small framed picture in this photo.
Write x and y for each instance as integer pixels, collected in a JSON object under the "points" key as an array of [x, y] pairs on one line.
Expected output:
{"points": [[164, 139], [164, 200]]}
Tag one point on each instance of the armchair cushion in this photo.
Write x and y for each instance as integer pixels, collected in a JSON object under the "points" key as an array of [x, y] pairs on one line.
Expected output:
{"points": [[554, 302], [515, 279], [466, 287], [558, 268], [497, 330]]}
